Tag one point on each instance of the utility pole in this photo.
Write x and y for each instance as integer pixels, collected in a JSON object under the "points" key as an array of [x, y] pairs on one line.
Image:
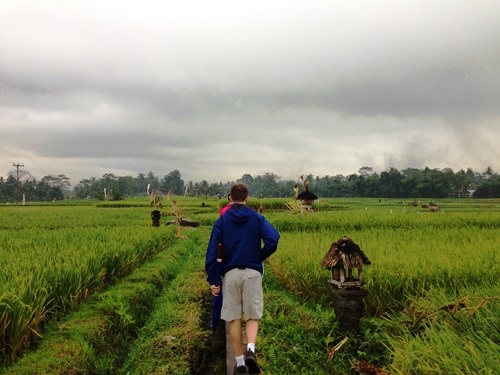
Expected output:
{"points": [[17, 165]]}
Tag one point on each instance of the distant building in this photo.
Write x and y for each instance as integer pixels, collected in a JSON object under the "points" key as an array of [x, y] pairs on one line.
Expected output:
{"points": [[462, 194]]}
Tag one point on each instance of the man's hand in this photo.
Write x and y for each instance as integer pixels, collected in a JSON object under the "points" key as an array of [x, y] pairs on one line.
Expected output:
{"points": [[215, 290]]}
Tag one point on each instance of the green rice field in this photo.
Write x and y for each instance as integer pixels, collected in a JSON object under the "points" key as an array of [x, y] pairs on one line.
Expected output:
{"points": [[432, 302]]}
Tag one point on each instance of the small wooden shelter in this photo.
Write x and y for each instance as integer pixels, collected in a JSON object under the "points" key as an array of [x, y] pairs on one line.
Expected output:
{"points": [[342, 257]]}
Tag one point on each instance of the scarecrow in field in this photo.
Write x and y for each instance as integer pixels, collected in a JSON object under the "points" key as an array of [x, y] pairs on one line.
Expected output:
{"points": [[306, 198]]}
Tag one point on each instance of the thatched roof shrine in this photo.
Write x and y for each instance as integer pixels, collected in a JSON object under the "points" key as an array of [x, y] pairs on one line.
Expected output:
{"points": [[345, 253]]}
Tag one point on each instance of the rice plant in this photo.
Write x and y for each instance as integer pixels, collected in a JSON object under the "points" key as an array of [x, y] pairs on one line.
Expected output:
{"points": [[57, 258], [432, 302]]}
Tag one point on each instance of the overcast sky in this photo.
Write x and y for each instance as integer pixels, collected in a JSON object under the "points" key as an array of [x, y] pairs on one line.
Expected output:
{"points": [[218, 89]]}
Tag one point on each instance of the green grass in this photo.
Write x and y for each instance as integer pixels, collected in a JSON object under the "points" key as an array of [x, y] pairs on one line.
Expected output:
{"points": [[438, 335], [53, 258], [94, 289], [109, 333], [410, 253]]}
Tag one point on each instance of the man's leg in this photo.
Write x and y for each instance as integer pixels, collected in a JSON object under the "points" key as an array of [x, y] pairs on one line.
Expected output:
{"points": [[252, 329], [235, 337]]}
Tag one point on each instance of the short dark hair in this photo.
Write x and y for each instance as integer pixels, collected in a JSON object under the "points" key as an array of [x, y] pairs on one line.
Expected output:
{"points": [[239, 192]]}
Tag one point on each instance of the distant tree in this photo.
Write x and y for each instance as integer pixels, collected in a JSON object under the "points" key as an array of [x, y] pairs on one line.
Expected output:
{"points": [[141, 184], [269, 185], [60, 181], [9, 189], [247, 179], [220, 189], [152, 180], [435, 184], [44, 190], [365, 171], [204, 187], [24, 174], [109, 183], [173, 182], [490, 188], [488, 173], [86, 188], [2, 195], [189, 189], [372, 186], [126, 186], [391, 183], [31, 191], [412, 180], [352, 182], [331, 186], [464, 180]]}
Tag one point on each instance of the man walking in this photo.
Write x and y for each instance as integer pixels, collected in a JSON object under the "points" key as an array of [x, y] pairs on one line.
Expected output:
{"points": [[247, 239]]}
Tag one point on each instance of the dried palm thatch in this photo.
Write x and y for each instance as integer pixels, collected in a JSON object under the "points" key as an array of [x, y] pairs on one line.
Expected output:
{"points": [[345, 253], [306, 195]]}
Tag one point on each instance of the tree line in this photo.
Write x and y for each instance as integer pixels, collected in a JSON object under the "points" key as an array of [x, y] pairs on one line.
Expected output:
{"points": [[49, 188], [392, 183]]}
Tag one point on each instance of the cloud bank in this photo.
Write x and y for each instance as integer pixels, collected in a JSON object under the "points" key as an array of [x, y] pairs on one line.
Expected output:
{"points": [[220, 89]]}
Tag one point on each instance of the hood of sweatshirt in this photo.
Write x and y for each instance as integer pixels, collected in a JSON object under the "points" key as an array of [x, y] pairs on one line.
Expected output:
{"points": [[239, 213]]}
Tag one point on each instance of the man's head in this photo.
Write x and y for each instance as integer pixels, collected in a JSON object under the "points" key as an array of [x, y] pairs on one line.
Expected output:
{"points": [[239, 193]]}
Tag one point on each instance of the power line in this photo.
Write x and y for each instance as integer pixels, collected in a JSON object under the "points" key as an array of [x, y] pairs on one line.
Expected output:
{"points": [[10, 161]]}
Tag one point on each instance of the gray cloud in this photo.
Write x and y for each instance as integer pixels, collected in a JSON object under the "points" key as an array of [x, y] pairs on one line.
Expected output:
{"points": [[219, 90]]}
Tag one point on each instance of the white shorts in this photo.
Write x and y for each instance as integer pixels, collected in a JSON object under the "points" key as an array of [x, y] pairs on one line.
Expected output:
{"points": [[242, 294]]}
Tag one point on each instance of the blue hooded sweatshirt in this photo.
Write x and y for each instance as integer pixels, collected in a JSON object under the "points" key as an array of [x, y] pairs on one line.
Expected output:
{"points": [[247, 238]]}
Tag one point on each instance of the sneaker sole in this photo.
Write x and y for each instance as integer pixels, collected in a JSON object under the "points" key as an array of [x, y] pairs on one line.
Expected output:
{"points": [[253, 367], [236, 373]]}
